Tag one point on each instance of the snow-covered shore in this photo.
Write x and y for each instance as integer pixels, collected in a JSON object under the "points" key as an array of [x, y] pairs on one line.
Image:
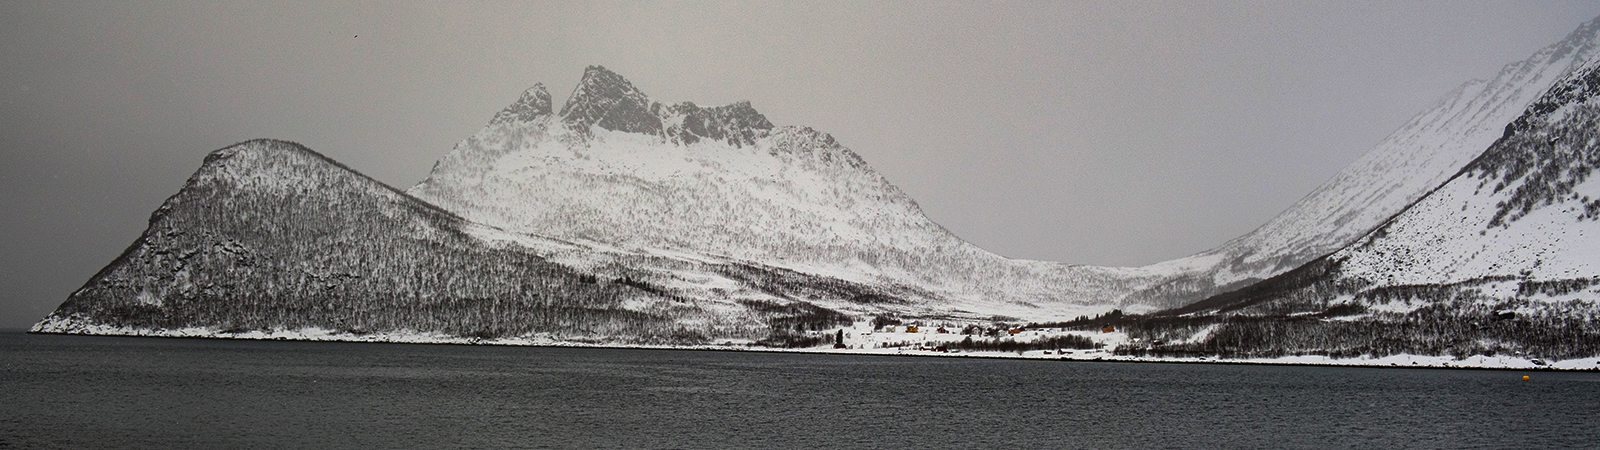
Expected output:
{"points": [[919, 344]]}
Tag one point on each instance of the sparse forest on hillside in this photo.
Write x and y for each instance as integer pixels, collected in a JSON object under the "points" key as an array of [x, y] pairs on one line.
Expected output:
{"points": [[269, 236]]}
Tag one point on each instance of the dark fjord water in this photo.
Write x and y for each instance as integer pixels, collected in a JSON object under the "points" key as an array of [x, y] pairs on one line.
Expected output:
{"points": [[102, 392]]}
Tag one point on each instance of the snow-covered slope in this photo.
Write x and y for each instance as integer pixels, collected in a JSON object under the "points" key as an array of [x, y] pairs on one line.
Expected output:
{"points": [[270, 237], [615, 167], [1416, 158], [1502, 257], [1526, 211]]}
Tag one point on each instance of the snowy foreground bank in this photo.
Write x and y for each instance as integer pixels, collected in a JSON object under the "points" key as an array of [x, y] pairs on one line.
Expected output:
{"points": [[859, 342]]}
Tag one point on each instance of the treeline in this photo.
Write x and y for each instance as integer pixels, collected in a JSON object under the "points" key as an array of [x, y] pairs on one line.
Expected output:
{"points": [[1553, 287], [794, 285], [793, 325], [1054, 343], [1084, 322], [1457, 328], [1293, 314], [798, 317], [996, 344]]}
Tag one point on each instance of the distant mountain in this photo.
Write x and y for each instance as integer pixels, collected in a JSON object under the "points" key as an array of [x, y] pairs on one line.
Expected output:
{"points": [[269, 237], [1501, 258], [617, 168], [1409, 163]]}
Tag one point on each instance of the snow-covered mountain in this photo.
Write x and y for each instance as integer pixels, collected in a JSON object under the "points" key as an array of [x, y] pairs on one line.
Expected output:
{"points": [[1524, 213], [1502, 257], [271, 238], [1413, 160], [615, 167]]}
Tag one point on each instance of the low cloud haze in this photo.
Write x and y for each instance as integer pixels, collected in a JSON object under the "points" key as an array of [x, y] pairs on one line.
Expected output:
{"points": [[1109, 133]]}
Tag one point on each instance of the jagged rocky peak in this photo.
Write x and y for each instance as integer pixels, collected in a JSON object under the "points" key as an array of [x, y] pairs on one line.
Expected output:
{"points": [[817, 146], [1575, 89], [607, 100], [1581, 41], [534, 103], [738, 123]]}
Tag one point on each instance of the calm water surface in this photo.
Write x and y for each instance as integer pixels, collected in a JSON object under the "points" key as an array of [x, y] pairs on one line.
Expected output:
{"points": [[103, 392]]}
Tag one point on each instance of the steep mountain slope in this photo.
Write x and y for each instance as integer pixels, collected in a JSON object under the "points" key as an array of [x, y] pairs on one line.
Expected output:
{"points": [[1525, 210], [617, 168], [269, 237], [1418, 157], [1502, 257]]}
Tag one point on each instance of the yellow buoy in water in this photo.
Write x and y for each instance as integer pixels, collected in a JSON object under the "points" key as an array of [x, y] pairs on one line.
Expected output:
{"points": [[1524, 378]]}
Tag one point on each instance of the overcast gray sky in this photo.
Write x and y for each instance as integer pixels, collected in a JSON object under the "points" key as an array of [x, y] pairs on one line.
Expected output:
{"points": [[1112, 133]]}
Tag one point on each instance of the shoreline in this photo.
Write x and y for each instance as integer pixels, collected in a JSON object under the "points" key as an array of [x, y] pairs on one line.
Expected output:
{"points": [[1400, 361]]}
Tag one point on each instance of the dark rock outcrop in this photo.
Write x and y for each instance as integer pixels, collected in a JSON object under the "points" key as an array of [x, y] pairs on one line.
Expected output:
{"points": [[738, 123], [607, 100], [534, 103]]}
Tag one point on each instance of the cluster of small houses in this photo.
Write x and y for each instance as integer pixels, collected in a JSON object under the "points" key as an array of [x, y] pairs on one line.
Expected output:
{"points": [[976, 330], [969, 330]]}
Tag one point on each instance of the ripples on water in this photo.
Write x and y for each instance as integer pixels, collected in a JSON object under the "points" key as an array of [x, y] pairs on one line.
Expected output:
{"points": [[102, 392]]}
